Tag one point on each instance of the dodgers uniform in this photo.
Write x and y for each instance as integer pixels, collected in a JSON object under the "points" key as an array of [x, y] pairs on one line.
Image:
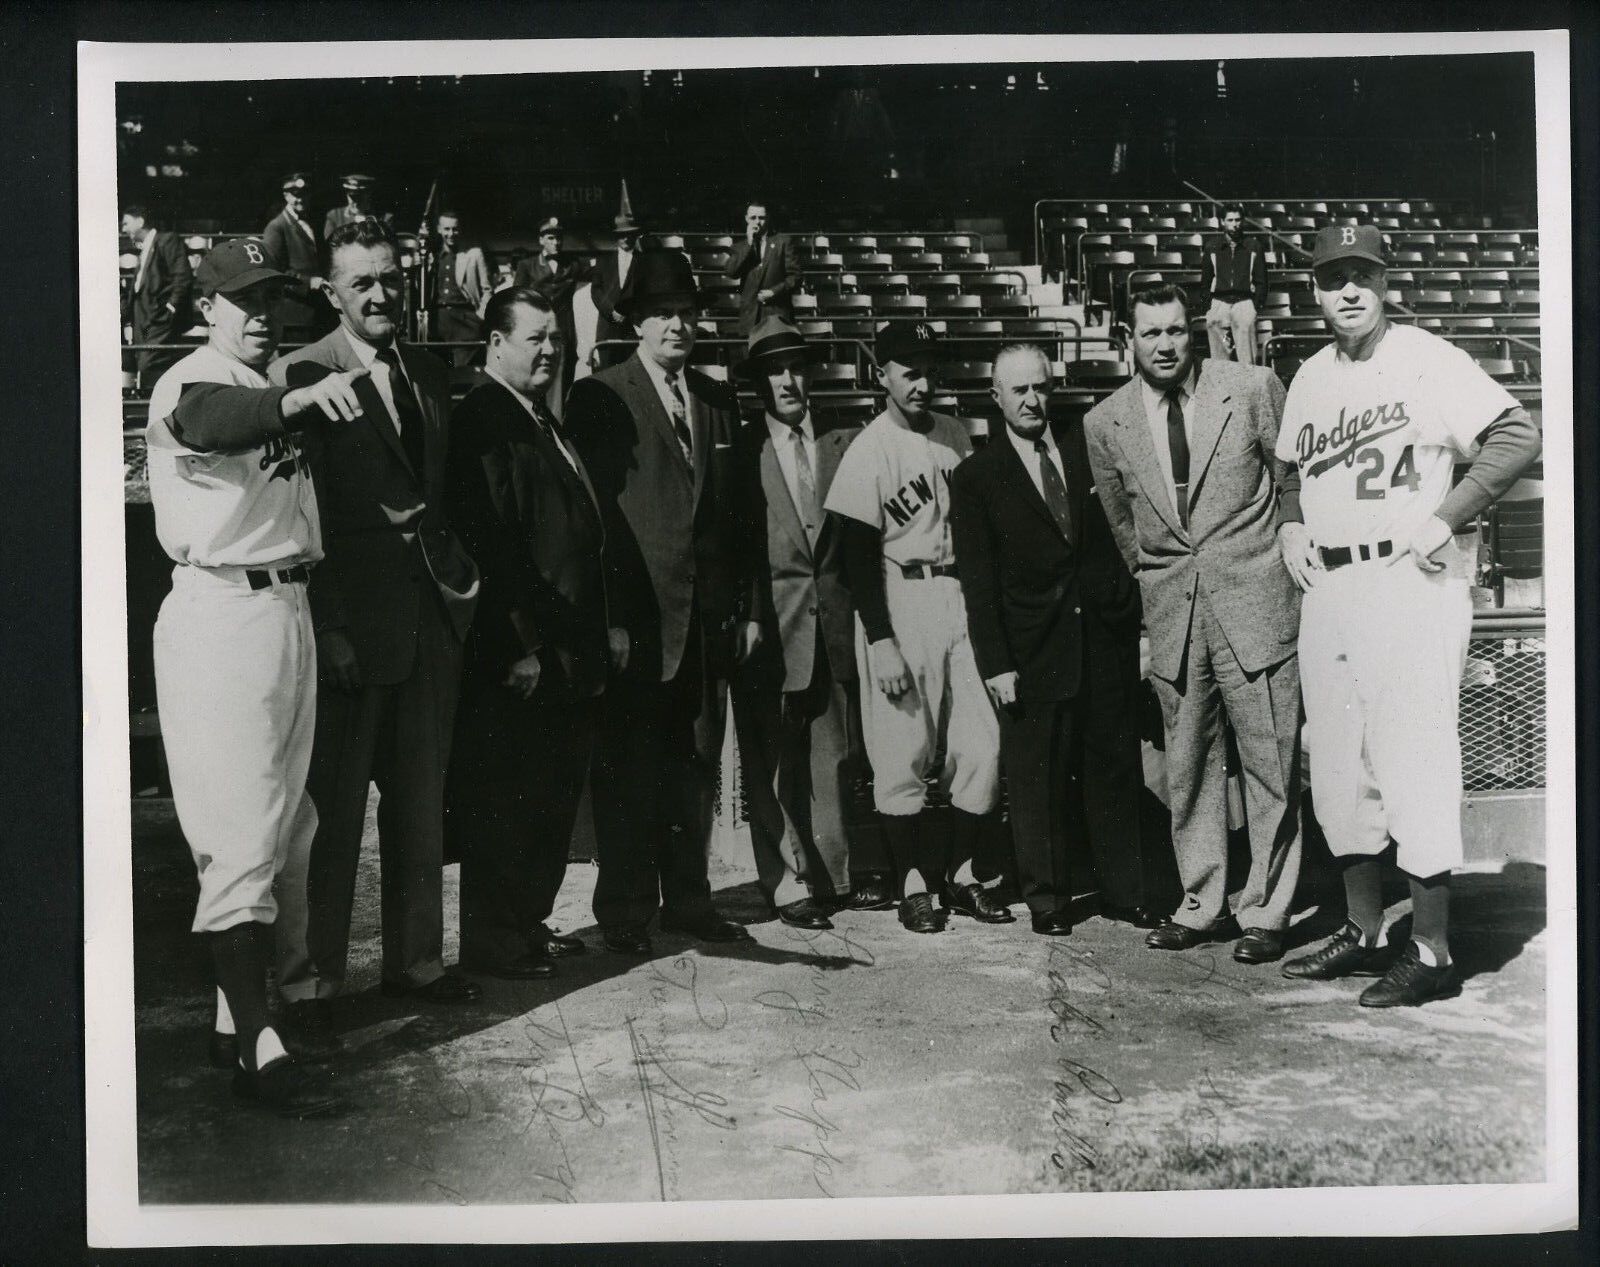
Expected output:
{"points": [[897, 481], [235, 656], [1383, 644]]}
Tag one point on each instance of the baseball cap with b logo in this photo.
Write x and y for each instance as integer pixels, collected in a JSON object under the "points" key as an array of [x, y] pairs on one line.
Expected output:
{"points": [[1348, 242], [231, 266]]}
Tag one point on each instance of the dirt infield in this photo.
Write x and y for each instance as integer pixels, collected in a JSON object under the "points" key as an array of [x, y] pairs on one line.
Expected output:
{"points": [[861, 1062]]}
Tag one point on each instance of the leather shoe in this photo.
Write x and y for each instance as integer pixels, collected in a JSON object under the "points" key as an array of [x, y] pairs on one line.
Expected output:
{"points": [[1172, 935], [544, 940], [307, 1030], [806, 913], [918, 916], [978, 902], [1052, 923], [287, 1088], [1410, 982], [707, 927], [628, 941], [222, 1051], [448, 989], [522, 968], [869, 893], [1340, 956], [1259, 945], [1138, 916]]}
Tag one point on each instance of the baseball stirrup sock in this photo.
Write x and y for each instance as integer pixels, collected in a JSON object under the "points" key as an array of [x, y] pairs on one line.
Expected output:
{"points": [[240, 962], [961, 847], [224, 1024], [1363, 897], [1430, 918], [903, 834]]}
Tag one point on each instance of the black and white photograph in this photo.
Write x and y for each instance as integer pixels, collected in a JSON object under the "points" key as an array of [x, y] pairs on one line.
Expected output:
{"points": [[819, 637]]}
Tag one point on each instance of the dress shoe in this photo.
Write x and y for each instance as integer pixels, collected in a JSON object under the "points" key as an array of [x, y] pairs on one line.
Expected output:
{"points": [[1052, 923], [1410, 982], [307, 1030], [287, 1088], [448, 989], [978, 902], [1342, 955], [806, 913], [628, 941], [707, 927], [222, 1052], [544, 940], [1138, 916], [1175, 936], [918, 916], [1259, 945], [870, 893], [522, 968]]}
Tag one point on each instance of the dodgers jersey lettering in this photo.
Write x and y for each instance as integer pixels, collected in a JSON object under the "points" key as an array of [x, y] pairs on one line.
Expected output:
{"points": [[256, 508], [1376, 440], [898, 480]]}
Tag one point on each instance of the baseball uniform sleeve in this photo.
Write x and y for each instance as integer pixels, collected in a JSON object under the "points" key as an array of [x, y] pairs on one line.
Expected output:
{"points": [[863, 577], [1510, 446], [1462, 399], [218, 418], [855, 493]]}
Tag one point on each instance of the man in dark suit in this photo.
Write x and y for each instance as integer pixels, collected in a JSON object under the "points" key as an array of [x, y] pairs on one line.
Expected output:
{"points": [[292, 243], [156, 308], [539, 650], [1053, 615], [556, 279], [767, 265], [357, 206], [392, 602], [611, 273], [1183, 460], [796, 702], [657, 439]]}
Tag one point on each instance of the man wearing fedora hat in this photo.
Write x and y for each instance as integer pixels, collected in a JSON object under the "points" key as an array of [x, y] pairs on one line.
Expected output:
{"points": [[657, 438], [797, 706], [611, 275]]}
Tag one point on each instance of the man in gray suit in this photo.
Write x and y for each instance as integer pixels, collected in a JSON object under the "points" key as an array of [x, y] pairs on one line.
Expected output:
{"points": [[1183, 461], [391, 603]]}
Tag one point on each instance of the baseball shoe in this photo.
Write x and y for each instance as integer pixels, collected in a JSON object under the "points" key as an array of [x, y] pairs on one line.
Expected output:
{"points": [[1259, 945], [448, 989], [1342, 955], [976, 901], [707, 927], [544, 940], [1172, 935], [806, 913], [1411, 982], [918, 916], [288, 1089]]}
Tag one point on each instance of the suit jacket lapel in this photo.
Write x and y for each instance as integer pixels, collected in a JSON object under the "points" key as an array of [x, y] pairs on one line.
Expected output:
{"points": [[700, 430], [1015, 470], [1074, 461], [645, 396], [1133, 434], [1211, 414], [776, 489], [434, 438], [343, 357]]}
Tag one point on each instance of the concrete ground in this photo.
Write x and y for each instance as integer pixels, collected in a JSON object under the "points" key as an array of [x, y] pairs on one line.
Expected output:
{"points": [[864, 1062]]}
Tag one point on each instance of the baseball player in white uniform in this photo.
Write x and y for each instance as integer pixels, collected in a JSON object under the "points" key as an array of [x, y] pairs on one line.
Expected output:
{"points": [[235, 657], [921, 691], [1374, 426]]}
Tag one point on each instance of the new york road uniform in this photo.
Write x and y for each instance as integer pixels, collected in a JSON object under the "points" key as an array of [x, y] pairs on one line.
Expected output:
{"points": [[236, 663], [1383, 644], [898, 481]]}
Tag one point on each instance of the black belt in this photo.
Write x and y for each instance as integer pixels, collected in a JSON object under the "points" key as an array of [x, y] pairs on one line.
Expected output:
{"points": [[1339, 556], [923, 571], [261, 579]]}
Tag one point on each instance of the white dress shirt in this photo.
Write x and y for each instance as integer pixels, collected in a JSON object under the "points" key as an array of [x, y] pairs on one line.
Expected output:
{"points": [[783, 447], [1155, 414], [145, 247], [561, 441], [368, 356], [1030, 457], [658, 377]]}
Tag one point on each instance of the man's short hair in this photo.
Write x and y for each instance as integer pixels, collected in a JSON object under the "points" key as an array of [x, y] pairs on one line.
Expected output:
{"points": [[361, 233], [500, 313], [1156, 296], [140, 210], [447, 213], [1020, 348], [1229, 207], [758, 201]]}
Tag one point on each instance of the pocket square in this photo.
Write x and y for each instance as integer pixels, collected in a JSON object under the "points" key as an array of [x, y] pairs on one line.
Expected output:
{"points": [[723, 446]]}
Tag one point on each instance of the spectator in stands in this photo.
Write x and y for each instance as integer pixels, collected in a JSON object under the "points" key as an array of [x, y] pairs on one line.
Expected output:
{"points": [[460, 289], [1234, 275], [292, 243], [357, 205], [654, 435], [767, 266], [556, 279], [797, 701], [610, 276], [155, 309]]}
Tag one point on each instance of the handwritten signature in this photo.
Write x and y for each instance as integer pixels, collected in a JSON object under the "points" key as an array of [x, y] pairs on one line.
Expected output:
{"points": [[660, 1090], [1073, 1078]]}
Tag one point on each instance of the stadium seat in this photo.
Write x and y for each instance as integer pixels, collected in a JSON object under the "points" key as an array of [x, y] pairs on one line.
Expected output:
{"points": [[834, 375], [1497, 368], [918, 260], [1518, 536], [900, 305], [845, 304], [857, 243], [1477, 298], [1428, 300], [955, 243], [670, 242], [815, 329], [885, 284], [1099, 373], [956, 305], [934, 285], [1525, 300], [967, 373], [869, 262]]}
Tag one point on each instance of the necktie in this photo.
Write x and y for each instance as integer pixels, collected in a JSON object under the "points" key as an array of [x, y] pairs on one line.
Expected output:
{"points": [[406, 408], [680, 419], [1055, 489], [546, 419], [1178, 442], [810, 512]]}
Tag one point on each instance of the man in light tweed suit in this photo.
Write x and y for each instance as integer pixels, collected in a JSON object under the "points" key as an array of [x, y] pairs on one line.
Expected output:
{"points": [[1183, 462]]}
